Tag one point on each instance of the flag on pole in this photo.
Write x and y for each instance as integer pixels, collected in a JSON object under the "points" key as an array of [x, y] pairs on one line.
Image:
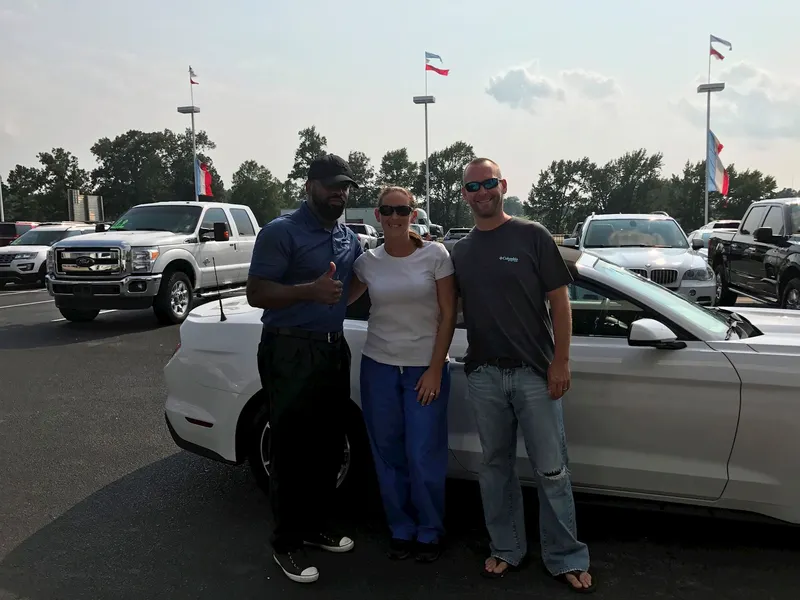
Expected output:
{"points": [[718, 179], [192, 76], [202, 177], [429, 67], [713, 51]]}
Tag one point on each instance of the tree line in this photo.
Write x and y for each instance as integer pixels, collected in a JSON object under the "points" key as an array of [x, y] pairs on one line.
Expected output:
{"points": [[138, 167]]}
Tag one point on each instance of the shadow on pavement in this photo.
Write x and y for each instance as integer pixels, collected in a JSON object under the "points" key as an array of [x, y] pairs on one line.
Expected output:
{"points": [[184, 527], [63, 333]]}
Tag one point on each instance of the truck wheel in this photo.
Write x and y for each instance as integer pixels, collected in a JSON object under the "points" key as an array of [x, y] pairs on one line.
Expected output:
{"points": [[724, 296], [77, 315], [174, 299], [790, 298], [42, 272]]}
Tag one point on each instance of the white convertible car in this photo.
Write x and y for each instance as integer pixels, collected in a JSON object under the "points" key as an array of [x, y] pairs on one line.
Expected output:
{"points": [[670, 401]]}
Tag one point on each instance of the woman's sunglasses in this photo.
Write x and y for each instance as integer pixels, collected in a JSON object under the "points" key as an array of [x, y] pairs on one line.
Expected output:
{"points": [[402, 210], [489, 184]]}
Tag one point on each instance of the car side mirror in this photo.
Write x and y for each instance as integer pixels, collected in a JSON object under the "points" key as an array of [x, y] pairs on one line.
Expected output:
{"points": [[570, 242], [763, 235], [697, 243], [100, 227], [650, 333], [221, 233]]}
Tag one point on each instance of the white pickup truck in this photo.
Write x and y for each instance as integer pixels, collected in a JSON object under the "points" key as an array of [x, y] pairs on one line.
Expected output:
{"points": [[161, 255]]}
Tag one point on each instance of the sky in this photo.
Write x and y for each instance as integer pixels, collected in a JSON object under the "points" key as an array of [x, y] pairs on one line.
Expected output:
{"points": [[530, 81]]}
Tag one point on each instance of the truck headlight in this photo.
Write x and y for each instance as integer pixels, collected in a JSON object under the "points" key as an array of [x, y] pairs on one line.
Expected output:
{"points": [[143, 259], [51, 265], [704, 274]]}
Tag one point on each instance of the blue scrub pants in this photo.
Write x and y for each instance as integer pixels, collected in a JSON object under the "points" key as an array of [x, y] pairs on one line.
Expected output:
{"points": [[409, 447]]}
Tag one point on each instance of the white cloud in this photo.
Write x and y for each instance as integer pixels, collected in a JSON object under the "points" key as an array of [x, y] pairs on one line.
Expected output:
{"points": [[755, 104], [522, 88]]}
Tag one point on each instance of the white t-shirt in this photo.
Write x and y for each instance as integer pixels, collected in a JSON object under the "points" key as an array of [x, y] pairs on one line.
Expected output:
{"points": [[404, 312]]}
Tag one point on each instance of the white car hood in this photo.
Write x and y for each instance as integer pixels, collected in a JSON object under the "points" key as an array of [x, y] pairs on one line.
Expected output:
{"points": [[637, 258], [23, 249], [134, 238]]}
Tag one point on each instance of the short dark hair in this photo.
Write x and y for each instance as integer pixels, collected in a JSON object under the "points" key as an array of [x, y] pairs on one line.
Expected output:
{"points": [[479, 161]]}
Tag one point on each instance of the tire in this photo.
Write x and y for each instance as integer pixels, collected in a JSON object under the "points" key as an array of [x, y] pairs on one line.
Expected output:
{"points": [[356, 456], [42, 272], [175, 285], [77, 315], [790, 295], [724, 296]]}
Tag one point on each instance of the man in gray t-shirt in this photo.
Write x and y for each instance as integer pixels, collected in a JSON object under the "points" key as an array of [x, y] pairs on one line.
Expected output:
{"points": [[513, 287]]}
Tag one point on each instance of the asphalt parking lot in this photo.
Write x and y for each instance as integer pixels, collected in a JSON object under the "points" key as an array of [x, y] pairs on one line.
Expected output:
{"points": [[96, 502]]}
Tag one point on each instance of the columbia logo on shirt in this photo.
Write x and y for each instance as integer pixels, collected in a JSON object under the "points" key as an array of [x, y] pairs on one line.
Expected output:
{"points": [[509, 258]]}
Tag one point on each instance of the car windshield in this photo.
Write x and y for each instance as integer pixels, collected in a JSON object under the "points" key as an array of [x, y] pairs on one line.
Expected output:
{"points": [[177, 219], [634, 233], [795, 218], [42, 237], [711, 320]]}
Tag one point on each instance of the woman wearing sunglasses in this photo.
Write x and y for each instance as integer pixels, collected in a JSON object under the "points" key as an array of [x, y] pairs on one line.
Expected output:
{"points": [[405, 376]]}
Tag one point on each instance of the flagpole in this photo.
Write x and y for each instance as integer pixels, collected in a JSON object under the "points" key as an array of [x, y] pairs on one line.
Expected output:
{"points": [[708, 130], [2, 212], [427, 163], [194, 143]]}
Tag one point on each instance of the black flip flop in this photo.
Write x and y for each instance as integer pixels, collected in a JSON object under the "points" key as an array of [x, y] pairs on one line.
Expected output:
{"points": [[501, 574], [581, 590]]}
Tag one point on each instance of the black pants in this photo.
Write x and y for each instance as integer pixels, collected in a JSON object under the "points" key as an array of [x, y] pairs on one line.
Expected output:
{"points": [[308, 384]]}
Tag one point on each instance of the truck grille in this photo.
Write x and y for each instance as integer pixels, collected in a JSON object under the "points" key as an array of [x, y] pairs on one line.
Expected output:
{"points": [[89, 262]]}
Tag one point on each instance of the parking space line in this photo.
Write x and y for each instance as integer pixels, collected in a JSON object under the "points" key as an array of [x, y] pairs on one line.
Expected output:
{"points": [[26, 304], [21, 292], [102, 312]]}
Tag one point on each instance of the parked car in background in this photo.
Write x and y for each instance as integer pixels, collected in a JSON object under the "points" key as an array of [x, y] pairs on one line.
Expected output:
{"points": [[453, 235], [11, 230], [670, 401], [422, 230], [367, 235], [704, 233], [653, 246], [760, 259], [24, 260], [161, 256]]}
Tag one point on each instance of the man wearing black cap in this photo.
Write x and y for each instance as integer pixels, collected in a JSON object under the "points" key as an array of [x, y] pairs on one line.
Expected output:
{"points": [[300, 275]]}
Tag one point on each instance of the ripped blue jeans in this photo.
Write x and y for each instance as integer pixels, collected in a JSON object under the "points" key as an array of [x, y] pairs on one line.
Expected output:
{"points": [[504, 400]]}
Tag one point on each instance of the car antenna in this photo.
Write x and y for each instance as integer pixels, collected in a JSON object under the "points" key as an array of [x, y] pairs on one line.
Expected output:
{"points": [[222, 316]]}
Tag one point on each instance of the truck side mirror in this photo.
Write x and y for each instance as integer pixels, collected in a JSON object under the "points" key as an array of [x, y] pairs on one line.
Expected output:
{"points": [[763, 235], [221, 233], [100, 227], [697, 243]]}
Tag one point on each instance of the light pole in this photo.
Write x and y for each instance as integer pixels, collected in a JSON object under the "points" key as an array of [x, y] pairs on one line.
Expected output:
{"points": [[192, 110], [708, 88], [2, 212], [425, 100]]}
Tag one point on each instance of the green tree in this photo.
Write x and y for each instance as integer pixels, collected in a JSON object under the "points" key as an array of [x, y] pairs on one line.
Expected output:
{"points": [[253, 185], [562, 195], [397, 169], [745, 188], [364, 174], [312, 145], [446, 169]]}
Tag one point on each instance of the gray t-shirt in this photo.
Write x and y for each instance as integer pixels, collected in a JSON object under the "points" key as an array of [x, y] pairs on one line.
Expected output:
{"points": [[503, 276]]}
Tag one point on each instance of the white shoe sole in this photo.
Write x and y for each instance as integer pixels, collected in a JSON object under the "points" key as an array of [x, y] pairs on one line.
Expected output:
{"points": [[349, 545], [298, 578]]}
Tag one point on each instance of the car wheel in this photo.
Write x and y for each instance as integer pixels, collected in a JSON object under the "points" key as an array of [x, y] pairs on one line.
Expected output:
{"points": [[77, 315], [790, 298], [174, 299], [724, 296], [355, 451]]}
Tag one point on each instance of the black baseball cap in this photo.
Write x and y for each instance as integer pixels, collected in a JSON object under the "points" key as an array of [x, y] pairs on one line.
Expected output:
{"points": [[329, 169]]}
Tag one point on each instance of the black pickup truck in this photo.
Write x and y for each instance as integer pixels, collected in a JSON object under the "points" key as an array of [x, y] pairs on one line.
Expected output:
{"points": [[761, 259]]}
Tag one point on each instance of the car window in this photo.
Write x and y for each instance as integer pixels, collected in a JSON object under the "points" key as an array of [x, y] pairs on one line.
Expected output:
{"points": [[775, 220], [242, 220], [596, 314], [753, 219], [215, 215], [795, 218]]}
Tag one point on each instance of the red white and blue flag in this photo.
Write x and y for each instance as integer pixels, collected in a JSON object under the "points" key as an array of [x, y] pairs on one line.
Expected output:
{"points": [[714, 52], [429, 67], [718, 180], [192, 76], [202, 177]]}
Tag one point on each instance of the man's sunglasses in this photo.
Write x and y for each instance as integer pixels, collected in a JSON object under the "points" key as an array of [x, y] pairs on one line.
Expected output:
{"points": [[402, 210], [489, 184]]}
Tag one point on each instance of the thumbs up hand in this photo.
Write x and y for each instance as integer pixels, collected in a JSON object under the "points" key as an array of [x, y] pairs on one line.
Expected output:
{"points": [[326, 289]]}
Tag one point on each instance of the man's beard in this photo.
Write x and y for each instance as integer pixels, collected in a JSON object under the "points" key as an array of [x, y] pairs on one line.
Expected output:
{"points": [[329, 212], [488, 209]]}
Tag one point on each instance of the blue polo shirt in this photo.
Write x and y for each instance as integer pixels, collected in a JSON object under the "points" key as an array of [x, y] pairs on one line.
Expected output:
{"points": [[296, 248]]}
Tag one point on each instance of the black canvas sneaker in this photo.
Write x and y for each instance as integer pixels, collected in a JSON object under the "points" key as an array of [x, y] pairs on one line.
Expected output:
{"points": [[296, 566], [330, 542]]}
